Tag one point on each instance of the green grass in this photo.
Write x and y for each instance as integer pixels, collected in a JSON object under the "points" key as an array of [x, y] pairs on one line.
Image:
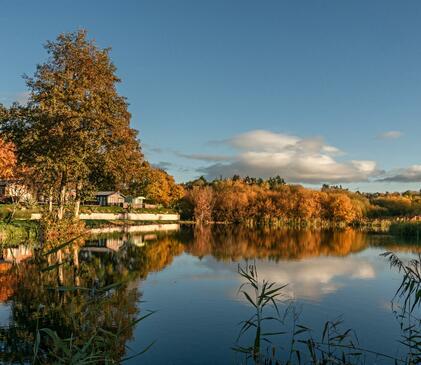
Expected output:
{"points": [[406, 229], [6, 209], [116, 209], [18, 232], [25, 214], [101, 209], [161, 210]]}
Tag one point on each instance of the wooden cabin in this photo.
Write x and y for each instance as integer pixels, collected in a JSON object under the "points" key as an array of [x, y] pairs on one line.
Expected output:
{"points": [[105, 198]]}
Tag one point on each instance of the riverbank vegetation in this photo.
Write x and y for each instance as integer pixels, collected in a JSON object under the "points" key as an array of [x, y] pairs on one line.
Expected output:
{"points": [[273, 201], [18, 232]]}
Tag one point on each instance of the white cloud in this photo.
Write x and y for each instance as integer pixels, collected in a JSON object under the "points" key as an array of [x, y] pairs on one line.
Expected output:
{"points": [[263, 140], [406, 175], [317, 276], [390, 135], [308, 160], [311, 278]]}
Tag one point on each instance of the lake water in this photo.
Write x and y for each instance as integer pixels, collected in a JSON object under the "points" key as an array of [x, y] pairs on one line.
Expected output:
{"points": [[189, 278]]}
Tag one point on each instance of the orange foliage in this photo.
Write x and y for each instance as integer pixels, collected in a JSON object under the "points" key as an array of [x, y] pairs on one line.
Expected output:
{"points": [[236, 200], [7, 160], [202, 199]]}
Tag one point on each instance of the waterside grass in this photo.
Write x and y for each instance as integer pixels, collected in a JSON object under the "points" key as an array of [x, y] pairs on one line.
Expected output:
{"points": [[406, 229], [18, 232]]}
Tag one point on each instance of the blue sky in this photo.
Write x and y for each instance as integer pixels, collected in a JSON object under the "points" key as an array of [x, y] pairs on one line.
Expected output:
{"points": [[257, 87]]}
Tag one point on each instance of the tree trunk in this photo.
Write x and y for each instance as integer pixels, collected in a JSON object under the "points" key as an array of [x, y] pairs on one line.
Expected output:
{"points": [[77, 200], [50, 200], [62, 197]]}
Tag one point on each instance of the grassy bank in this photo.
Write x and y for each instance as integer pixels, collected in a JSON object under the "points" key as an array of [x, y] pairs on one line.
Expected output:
{"points": [[116, 210], [7, 209], [369, 225], [406, 229], [18, 232], [25, 213]]}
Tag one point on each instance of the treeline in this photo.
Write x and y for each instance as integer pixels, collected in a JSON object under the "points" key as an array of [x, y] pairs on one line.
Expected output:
{"points": [[272, 200]]}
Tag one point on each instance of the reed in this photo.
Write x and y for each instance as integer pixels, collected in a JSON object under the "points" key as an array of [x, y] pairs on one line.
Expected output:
{"points": [[336, 344], [406, 229]]}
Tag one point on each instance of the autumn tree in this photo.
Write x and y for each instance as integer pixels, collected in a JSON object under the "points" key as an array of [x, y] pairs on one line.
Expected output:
{"points": [[307, 204], [202, 200], [7, 151], [157, 185], [76, 127], [232, 200], [339, 208], [7, 160]]}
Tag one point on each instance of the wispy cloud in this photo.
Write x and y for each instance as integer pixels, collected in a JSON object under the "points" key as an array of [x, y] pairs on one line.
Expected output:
{"points": [[390, 135], [404, 175], [308, 160], [204, 157], [164, 165], [150, 148]]}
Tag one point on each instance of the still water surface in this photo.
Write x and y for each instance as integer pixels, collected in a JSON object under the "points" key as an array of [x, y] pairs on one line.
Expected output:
{"points": [[189, 277]]}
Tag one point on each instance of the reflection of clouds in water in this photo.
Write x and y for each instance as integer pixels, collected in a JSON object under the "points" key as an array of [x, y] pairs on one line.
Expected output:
{"points": [[314, 277], [310, 278]]}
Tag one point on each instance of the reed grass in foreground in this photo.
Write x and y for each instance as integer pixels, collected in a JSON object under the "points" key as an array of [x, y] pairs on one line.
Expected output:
{"points": [[336, 345]]}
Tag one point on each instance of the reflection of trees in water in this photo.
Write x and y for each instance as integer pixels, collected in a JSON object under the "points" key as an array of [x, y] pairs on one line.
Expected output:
{"points": [[36, 302], [6, 281], [235, 243], [68, 298]]}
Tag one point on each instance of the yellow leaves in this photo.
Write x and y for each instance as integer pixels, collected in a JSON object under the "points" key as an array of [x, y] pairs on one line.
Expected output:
{"points": [[239, 200], [341, 208], [202, 199], [7, 160], [158, 186]]}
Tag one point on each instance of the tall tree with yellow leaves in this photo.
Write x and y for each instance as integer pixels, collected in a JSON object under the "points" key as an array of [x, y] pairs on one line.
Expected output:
{"points": [[76, 127], [157, 185]]}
